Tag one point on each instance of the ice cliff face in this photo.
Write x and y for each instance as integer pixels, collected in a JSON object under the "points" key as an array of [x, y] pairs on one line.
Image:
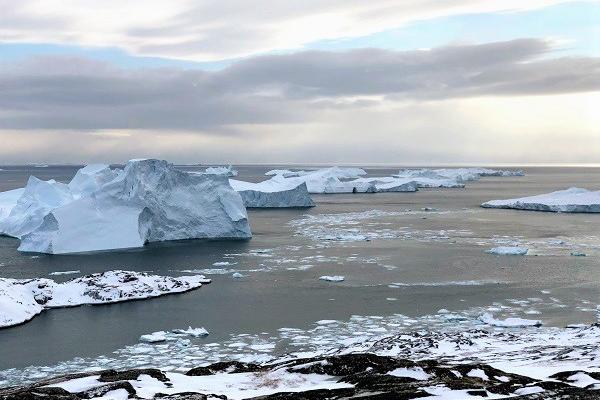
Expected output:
{"points": [[104, 209], [273, 193]]}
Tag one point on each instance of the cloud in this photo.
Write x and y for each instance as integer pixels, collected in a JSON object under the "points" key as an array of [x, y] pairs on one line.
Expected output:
{"points": [[59, 93], [209, 30]]}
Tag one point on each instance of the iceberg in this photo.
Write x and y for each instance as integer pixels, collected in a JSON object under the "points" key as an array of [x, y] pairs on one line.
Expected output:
{"points": [[511, 322], [104, 209], [273, 193], [23, 299], [325, 180], [452, 177], [572, 200], [226, 171], [390, 184]]}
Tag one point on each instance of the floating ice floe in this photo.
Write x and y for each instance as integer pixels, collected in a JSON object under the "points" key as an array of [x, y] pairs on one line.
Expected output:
{"points": [[73, 272], [175, 334], [105, 209], [508, 251], [511, 322], [572, 200], [332, 278], [23, 299], [276, 192]]}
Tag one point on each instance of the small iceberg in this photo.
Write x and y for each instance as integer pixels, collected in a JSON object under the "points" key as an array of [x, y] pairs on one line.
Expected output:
{"points": [[511, 322], [572, 200], [508, 251], [273, 193], [332, 278]]}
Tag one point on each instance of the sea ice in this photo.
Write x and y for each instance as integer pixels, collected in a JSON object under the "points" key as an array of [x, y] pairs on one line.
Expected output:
{"points": [[511, 322], [508, 251], [573, 200]]}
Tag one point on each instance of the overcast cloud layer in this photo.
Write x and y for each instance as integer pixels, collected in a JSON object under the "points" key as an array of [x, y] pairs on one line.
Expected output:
{"points": [[58, 93], [218, 29]]}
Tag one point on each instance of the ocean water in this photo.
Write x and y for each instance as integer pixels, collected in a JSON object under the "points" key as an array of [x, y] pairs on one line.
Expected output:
{"points": [[415, 263]]}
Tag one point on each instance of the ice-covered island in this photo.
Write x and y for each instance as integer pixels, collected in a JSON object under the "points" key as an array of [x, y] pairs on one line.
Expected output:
{"points": [[104, 209], [572, 200]]}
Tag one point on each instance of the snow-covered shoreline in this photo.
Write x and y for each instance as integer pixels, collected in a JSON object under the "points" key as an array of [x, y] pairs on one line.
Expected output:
{"points": [[22, 299]]}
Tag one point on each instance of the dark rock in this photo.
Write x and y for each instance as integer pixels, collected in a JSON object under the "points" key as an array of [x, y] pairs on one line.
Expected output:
{"points": [[102, 390], [231, 367], [130, 375]]}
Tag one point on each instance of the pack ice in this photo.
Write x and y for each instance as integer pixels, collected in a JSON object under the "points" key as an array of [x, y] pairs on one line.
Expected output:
{"points": [[104, 209], [573, 200]]}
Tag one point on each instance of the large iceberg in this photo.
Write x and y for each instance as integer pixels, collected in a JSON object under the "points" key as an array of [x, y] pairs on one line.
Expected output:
{"points": [[573, 200], [326, 180], [23, 299], [390, 184], [273, 193], [104, 209], [452, 177]]}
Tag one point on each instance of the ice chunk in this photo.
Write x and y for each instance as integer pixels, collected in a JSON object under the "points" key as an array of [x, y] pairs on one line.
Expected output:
{"points": [[332, 278], [511, 322], [573, 200], [154, 337], [508, 251], [273, 193]]}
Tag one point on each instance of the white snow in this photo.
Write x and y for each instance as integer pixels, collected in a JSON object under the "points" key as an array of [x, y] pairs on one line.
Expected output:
{"points": [[414, 372], [511, 322], [22, 299], [276, 192], [575, 200], [529, 390], [234, 386], [104, 209], [508, 251], [478, 373], [332, 278]]}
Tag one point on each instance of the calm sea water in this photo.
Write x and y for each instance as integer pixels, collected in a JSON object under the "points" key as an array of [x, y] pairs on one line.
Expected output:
{"points": [[421, 271]]}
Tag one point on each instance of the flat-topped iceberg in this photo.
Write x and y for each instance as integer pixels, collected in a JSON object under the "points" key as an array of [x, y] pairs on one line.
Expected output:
{"points": [[390, 184], [105, 209], [23, 299], [452, 177], [326, 180], [273, 193], [227, 171], [572, 200]]}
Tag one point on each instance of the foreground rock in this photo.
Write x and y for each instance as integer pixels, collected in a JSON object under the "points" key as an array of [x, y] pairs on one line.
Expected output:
{"points": [[273, 193], [572, 200], [23, 299], [350, 376], [105, 209]]}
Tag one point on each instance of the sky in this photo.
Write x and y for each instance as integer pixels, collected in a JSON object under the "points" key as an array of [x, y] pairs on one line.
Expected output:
{"points": [[403, 82]]}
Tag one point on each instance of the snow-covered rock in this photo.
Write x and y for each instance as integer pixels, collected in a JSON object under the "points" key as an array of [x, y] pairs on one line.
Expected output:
{"points": [[574, 200], [508, 251], [22, 299], [511, 322], [276, 192], [104, 209], [226, 171]]}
